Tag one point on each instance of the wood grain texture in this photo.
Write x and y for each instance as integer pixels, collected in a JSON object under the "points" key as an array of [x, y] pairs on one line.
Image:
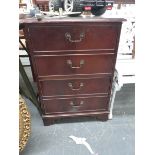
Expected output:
{"points": [[74, 75], [74, 105], [73, 64], [72, 20], [50, 88], [95, 36]]}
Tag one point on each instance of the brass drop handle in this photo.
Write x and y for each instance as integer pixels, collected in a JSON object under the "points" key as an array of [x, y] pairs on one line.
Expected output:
{"points": [[76, 105], [72, 88], [69, 37], [69, 62]]}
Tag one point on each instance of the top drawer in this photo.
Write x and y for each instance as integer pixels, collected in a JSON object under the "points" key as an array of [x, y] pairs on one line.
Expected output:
{"points": [[71, 37]]}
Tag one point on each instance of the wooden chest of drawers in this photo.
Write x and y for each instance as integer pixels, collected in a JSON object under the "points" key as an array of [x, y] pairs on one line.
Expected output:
{"points": [[73, 61]]}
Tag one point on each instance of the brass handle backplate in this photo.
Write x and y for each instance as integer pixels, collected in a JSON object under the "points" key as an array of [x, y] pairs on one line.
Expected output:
{"points": [[72, 88], [69, 37], [75, 105], [69, 62]]}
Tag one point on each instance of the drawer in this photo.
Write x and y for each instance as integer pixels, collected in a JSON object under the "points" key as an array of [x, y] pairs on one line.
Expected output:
{"points": [[72, 105], [74, 64], [72, 37], [75, 86]]}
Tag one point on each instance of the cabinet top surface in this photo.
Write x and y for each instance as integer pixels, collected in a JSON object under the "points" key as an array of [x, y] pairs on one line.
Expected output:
{"points": [[70, 20]]}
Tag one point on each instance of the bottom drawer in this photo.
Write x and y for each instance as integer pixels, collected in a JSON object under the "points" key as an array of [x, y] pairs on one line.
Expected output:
{"points": [[76, 104]]}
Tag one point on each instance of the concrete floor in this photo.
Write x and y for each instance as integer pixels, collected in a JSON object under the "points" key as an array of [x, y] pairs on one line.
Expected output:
{"points": [[114, 137]]}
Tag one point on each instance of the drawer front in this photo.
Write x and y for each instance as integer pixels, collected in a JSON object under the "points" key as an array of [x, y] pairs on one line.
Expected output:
{"points": [[75, 86], [73, 105], [49, 38], [74, 64]]}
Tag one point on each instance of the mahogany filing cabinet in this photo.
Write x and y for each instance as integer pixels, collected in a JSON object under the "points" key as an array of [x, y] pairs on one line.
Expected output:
{"points": [[73, 60]]}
